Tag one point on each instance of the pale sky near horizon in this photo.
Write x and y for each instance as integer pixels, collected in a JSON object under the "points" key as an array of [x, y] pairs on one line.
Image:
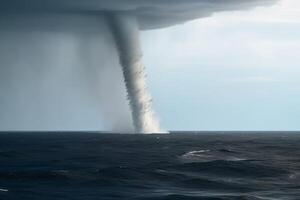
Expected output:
{"points": [[231, 71]]}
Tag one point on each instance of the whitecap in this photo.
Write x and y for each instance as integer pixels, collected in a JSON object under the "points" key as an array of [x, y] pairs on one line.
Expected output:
{"points": [[294, 176], [195, 153], [192, 156], [235, 159], [205, 155]]}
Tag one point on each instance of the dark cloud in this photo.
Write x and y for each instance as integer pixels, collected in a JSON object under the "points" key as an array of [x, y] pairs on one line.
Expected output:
{"points": [[150, 13]]}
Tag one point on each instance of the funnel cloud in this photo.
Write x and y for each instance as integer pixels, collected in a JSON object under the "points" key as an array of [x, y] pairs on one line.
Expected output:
{"points": [[126, 34]]}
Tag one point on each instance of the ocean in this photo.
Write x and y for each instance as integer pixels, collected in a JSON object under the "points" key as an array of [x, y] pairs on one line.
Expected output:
{"points": [[176, 166]]}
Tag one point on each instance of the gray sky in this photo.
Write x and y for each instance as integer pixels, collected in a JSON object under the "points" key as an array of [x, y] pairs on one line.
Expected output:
{"points": [[235, 70], [232, 71]]}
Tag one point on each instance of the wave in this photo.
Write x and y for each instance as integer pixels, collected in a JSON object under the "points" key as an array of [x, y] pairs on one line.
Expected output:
{"points": [[142, 167], [232, 169], [207, 197], [210, 155]]}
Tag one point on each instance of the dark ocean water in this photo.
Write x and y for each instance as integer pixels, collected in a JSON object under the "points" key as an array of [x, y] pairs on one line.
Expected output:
{"points": [[91, 166]]}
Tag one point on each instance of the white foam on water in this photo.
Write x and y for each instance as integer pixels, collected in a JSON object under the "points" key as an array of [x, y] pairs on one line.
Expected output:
{"points": [[206, 155]]}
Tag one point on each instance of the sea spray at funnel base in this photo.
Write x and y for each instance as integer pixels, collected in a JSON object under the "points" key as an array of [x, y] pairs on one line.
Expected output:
{"points": [[126, 34]]}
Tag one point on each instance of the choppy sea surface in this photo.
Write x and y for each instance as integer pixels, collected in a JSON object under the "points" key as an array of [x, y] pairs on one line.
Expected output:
{"points": [[183, 166]]}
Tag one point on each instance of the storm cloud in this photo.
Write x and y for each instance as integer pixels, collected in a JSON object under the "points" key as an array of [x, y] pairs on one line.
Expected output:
{"points": [[150, 13], [59, 64]]}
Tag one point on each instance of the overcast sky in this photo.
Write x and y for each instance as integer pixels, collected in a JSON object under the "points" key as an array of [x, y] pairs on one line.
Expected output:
{"points": [[232, 71]]}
